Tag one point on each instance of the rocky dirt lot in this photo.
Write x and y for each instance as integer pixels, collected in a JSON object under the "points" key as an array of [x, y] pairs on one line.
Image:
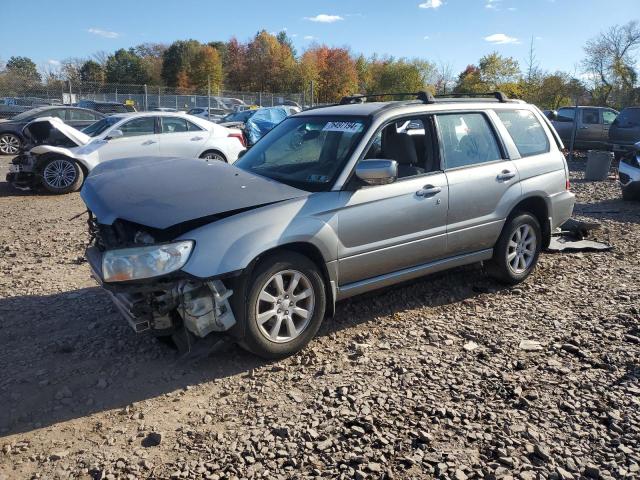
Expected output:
{"points": [[452, 376]]}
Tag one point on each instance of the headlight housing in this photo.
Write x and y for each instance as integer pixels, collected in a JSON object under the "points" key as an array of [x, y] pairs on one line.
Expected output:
{"points": [[138, 263]]}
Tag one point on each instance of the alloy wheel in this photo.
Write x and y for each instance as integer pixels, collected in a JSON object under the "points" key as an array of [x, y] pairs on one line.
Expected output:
{"points": [[60, 174], [521, 250], [285, 306], [214, 156], [9, 144]]}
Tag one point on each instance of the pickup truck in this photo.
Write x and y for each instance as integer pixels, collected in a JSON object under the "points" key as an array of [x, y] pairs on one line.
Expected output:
{"points": [[592, 131]]}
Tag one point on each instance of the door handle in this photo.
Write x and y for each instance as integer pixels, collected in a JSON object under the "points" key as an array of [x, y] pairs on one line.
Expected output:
{"points": [[506, 175], [583, 128], [428, 191], [195, 139], [149, 142]]}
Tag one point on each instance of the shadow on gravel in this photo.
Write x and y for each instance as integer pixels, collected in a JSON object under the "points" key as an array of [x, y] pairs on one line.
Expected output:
{"points": [[70, 355], [614, 209]]}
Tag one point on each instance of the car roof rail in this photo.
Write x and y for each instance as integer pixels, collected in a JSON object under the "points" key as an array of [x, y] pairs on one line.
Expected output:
{"points": [[423, 96], [500, 96]]}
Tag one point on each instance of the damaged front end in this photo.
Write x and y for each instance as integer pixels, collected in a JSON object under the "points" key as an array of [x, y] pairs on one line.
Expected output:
{"points": [[160, 304]]}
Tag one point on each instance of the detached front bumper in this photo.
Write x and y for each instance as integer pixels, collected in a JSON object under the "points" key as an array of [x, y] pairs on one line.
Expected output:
{"points": [[164, 304]]}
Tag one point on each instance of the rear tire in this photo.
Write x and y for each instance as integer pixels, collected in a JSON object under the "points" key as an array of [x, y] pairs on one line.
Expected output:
{"points": [[516, 253], [285, 305], [214, 156], [10, 144], [62, 175]]}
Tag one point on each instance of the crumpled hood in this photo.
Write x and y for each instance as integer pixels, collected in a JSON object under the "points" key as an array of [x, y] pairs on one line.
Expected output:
{"points": [[41, 131], [163, 192]]}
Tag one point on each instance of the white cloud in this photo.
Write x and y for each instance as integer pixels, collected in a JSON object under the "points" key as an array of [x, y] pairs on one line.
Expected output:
{"points": [[426, 37], [431, 4], [324, 18], [501, 39], [55, 63], [103, 33], [309, 37]]}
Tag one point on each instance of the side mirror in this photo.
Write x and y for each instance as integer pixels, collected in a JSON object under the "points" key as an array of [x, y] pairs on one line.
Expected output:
{"points": [[115, 134], [552, 115], [377, 171], [241, 154]]}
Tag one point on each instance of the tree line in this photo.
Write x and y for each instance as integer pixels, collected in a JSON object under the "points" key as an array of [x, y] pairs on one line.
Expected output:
{"points": [[607, 75]]}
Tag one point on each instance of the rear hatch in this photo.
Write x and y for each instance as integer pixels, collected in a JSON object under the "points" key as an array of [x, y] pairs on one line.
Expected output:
{"points": [[625, 129]]}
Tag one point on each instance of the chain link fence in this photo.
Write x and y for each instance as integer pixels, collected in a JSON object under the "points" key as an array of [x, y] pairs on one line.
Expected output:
{"points": [[17, 95]]}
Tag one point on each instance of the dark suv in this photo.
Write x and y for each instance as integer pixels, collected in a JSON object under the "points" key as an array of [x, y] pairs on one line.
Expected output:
{"points": [[625, 131]]}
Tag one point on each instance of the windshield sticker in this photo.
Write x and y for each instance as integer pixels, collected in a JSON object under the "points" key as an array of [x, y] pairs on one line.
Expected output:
{"points": [[348, 127]]}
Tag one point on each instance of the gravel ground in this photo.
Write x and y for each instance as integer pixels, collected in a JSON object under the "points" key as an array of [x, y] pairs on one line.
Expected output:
{"points": [[452, 376]]}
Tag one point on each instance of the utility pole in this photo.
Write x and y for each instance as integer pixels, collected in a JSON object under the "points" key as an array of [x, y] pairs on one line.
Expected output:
{"points": [[209, 96]]}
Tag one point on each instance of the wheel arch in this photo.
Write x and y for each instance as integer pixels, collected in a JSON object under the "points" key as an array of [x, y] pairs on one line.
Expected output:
{"points": [[42, 158], [313, 253], [539, 208]]}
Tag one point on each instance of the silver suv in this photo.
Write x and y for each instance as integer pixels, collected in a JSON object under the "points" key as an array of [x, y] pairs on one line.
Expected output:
{"points": [[333, 202]]}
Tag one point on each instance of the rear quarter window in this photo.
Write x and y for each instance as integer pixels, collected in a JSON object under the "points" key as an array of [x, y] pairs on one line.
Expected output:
{"points": [[527, 132]]}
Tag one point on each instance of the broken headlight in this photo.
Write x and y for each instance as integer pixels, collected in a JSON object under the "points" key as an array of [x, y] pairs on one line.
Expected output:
{"points": [[139, 263]]}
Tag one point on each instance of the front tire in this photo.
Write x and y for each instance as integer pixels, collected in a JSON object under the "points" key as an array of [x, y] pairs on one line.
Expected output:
{"points": [[62, 175], [285, 307], [518, 248]]}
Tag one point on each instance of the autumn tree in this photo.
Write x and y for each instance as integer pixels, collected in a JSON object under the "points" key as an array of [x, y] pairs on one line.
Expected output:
{"points": [[177, 61], [206, 67], [270, 64], [234, 64]]}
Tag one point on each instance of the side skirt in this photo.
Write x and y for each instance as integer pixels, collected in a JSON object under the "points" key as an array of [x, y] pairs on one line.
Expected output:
{"points": [[410, 273]]}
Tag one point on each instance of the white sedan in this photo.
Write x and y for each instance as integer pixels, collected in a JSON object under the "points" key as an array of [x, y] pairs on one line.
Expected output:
{"points": [[62, 156]]}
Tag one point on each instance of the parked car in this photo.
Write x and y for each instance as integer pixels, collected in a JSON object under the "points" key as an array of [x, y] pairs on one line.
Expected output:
{"points": [[215, 115], [108, 108], [318, 211], [237, 117], [592, 130], [163, 109], [11, 138], [625, 131], [61, 156], [12, 106], [629, 172]]}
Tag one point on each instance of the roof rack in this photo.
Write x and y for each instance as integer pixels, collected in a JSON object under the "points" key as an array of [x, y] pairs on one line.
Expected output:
{"points": [[423, 96], [501, 97]]}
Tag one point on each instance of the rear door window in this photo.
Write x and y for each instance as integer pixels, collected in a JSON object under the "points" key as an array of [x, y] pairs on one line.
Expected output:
{"points": [[80, 115], [526, 131], [467, 139], [590, 116], [139, 126], [173, 125]]}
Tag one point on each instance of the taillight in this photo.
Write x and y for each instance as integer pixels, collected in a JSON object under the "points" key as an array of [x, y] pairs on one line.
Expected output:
{"points": [[567, 185], [240, 138]]}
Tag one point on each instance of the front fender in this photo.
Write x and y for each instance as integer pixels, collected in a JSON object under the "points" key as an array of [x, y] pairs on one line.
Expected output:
{"points": [[88, 161], [231, 244]]}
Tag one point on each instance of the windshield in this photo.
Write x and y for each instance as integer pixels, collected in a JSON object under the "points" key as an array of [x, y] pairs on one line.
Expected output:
{"points": [[100, 126], [305, 152]]}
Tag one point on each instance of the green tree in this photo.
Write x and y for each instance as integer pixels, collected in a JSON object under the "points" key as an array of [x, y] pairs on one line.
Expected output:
{"points": [[124, 66], [470, 81], [92, 71], [496, 70], [24, 68], [151, 56], [177, 61]]}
